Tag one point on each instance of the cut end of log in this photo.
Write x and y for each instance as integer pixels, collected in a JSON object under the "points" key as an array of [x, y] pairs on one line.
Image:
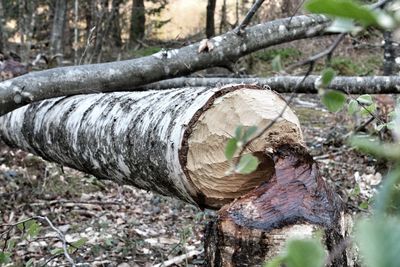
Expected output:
{"points": [[207, 166]]}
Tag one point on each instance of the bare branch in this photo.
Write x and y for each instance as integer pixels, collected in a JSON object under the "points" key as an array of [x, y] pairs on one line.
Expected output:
{"points": [[285, 84], [326, 53], [249, 16], [128, 74]]}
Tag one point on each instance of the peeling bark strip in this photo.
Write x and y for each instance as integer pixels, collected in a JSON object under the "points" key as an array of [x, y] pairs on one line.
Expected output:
{"points": [[294, 203], [171, 142], [286, 84], [123, 75]]}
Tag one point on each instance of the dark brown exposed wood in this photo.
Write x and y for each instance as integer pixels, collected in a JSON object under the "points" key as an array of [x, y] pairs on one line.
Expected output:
{"points": [[295, 202]]}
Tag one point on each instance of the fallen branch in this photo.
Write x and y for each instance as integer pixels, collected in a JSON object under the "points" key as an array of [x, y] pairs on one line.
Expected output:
{"points": [[125, 75], [286, 84], [179, 259]]}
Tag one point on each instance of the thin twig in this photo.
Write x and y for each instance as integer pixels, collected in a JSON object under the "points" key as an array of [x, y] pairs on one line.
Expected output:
{"points": [[326, 53], [88, 44], [376, 117], [60, 235], [295, 11], [293, 94], [248, 16], [364, 125]]}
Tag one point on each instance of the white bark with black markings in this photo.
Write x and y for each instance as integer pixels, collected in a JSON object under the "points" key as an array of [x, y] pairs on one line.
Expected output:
{"points": [[286, 84], [124, 75], [171, 142]]}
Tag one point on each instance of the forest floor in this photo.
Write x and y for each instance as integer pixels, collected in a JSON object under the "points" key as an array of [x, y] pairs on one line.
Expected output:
{"points": [[123, 226]]}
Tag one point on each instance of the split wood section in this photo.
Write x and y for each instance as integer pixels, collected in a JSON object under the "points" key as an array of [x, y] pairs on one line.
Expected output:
{"points": [[171, 142], [294, 203]]}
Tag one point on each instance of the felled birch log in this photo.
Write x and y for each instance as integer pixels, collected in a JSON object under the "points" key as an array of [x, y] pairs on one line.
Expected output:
{"points": [[171, 142]]}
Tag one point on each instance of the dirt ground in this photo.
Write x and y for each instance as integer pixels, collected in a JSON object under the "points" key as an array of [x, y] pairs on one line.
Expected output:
{"points": [[125, 226]]}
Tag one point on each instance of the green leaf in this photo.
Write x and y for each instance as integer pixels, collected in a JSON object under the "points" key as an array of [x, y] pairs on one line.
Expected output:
{"points": [[342, 25], [248, 133], [392, 115], [238, 132], [230, 148], [277, 64], [11, 244], [364, 205], [4, 257], [56, 251], [109, 242], [34, 228], [333, 100], [378, 241], [305, 253], [353, 107], [345, 9], [275, 262], [368, 110], [21, 226], [29, 263], [388, 199], [391, 125], [79, 243], [365, 99], [356, 191], [247, 164], [376, 148], [327, 76]]}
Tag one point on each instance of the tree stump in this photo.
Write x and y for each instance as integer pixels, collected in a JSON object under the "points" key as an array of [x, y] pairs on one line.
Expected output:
{"points": [[294, 203]]}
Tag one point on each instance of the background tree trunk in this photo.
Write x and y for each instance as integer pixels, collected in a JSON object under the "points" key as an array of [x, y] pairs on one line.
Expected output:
{"points": [[115, 27], [75, 45], [57, 31], [390, 53], [171, 142], [21, 29], [3, 36], [210, 25], [138, 20], [101, 25], [223, 23]]}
